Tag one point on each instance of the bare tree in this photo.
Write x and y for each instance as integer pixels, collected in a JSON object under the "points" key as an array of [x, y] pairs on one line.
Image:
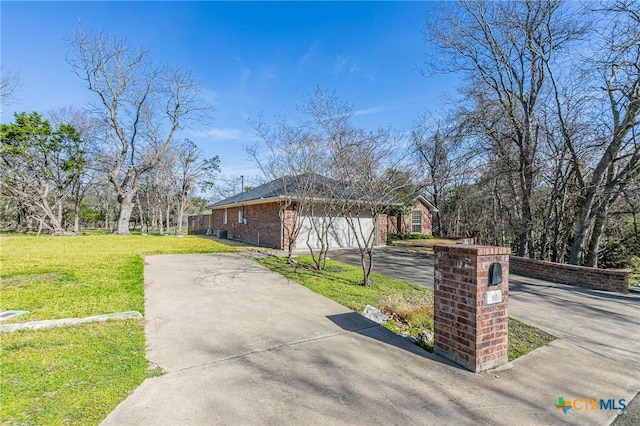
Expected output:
{"points": [[443, 160], [295, 154], [190, 170], [363, 160], [617, 64], [360, 163], [502, 47], [226, 186], [9, 85], [142, 104]]}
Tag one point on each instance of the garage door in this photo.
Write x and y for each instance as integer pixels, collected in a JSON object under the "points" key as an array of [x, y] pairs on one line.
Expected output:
{"points": [[339, 235]]}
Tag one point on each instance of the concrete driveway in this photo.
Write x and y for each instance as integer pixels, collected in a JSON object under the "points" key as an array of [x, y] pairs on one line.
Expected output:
{"points": [[242, 345]]}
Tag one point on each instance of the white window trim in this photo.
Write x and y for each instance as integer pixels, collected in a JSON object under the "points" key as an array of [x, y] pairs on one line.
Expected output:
{"points": [[224, 216], [414, 223]]}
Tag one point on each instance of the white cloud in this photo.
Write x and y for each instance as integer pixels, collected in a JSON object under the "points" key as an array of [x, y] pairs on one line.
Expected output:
{"points": [[268, 73], [309, 58], [210, 95], [220, 134], [369, 111], [345, 65], [340, 64]]}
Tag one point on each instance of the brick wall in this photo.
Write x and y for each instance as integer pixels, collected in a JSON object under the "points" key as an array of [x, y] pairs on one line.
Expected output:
{"points": [[382, 230], [426, 218], [197, 224], [289, 223], [593, 278], [403, 224], [467, 330], [262, 227]]}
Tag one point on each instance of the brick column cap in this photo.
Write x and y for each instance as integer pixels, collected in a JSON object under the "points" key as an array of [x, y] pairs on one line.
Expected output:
{"points": [[472, 249]]}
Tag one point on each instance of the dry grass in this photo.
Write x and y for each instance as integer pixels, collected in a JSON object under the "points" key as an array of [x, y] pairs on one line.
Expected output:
{"points": [[412, 311], [422, 246]]}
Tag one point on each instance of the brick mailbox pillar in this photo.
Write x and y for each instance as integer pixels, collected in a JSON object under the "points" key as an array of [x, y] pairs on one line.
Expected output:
{"points": [[470, 314]]}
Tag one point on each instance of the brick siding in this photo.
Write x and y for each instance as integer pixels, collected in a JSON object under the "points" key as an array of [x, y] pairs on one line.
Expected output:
{"points": [[289, 223], [382, 230], [593, 278], [403, 224], [262, 227]]}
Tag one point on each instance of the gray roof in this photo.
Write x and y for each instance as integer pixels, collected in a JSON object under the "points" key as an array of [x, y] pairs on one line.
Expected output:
{"points": [[298, 186], [288, 186]]}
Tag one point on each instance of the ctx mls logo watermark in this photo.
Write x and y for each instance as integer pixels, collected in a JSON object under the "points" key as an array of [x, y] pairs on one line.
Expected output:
{"points": [[587, 404]]}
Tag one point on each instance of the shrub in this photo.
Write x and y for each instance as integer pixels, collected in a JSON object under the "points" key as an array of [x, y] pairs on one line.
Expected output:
{"points": [[391, 237]]}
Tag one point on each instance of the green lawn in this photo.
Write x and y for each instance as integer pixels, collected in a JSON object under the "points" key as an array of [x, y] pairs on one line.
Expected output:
{"points": [[76, 375], [409, 306]]}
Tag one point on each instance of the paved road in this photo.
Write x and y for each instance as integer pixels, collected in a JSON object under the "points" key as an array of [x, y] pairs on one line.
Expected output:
{"points": [[394, 262], [242, 345]]}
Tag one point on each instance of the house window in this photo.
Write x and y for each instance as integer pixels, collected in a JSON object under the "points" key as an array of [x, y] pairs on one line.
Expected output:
{"points": [[241, 215], [416, 222], [224, 217]]}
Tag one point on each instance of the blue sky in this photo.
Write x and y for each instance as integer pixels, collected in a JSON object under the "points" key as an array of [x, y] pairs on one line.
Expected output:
{"points": [[251, 58]]}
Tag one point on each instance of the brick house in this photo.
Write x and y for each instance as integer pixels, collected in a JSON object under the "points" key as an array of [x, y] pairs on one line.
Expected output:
{"points": [[417, 220], [262, 215]]}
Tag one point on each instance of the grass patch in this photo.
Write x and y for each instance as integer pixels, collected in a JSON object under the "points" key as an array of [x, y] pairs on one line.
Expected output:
{"points": [[70, 375], [523, 338], [410, 307], [340, 282], [76, 374], [60, 277]]}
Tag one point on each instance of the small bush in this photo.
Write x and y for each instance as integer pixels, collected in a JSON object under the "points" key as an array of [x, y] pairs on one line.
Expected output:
{"points": [[392, 237]]}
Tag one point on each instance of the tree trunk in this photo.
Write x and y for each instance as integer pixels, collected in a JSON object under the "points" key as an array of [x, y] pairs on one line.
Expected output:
{"points": [[594, 242], [179, 219], [365, 270], [59, 216], [180, 213], [525, 238], [76, 214], [143, 222], [168, 214], [160, 222], [126, 208], [602, 212], [582, 226]]}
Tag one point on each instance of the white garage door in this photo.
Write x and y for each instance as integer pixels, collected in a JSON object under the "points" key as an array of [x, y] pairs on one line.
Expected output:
{"points": [[339, 235]]}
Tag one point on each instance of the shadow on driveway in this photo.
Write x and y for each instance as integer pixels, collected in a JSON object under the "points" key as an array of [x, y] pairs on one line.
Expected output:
{"points": [[355, 323]]}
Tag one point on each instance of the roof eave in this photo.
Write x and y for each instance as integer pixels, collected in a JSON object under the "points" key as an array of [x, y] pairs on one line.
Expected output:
{"points": [[245, 202]]}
